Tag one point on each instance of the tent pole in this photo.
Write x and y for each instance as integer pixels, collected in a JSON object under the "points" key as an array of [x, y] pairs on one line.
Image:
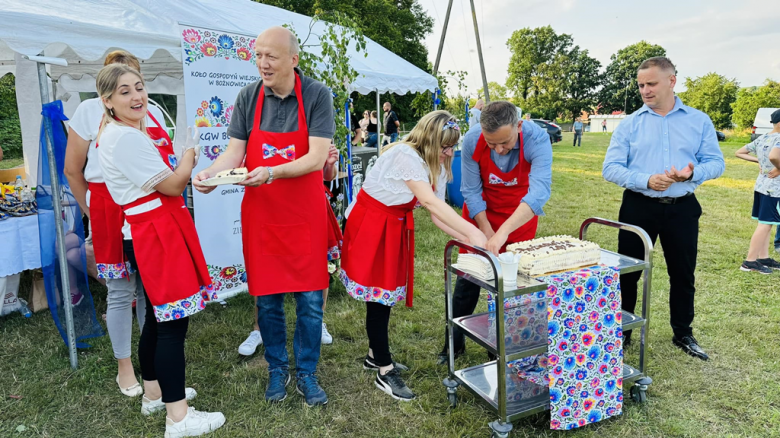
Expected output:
{"points": [[378, 124], [55, 194], [479, 52], [441, 41]]}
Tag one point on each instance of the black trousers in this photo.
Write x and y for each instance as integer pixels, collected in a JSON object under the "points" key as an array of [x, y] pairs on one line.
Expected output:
{"points": [[678, 227], [377, 323], [161, 348], [464, 300]]}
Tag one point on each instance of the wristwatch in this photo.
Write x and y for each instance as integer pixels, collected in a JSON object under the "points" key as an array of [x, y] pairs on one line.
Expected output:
{"points": [[270, 175]]}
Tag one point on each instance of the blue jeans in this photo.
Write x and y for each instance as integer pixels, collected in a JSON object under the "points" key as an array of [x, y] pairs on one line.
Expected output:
{"points": [[777, 237], [308, 331], [372, 139], [391, 138]]}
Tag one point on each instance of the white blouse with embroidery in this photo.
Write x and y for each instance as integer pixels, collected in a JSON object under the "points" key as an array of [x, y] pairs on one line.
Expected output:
{"points": [[386, 182]]}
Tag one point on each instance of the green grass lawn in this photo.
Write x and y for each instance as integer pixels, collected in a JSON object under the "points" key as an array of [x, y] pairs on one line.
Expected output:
{"points": [[9, 163], [736, 393]]}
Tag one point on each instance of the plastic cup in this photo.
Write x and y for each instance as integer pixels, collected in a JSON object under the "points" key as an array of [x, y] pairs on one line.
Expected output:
{"points": [[509, 262]]}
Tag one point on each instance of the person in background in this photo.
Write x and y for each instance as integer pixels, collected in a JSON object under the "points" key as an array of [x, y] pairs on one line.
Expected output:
{"points": [[660, 154], [372, 136], [364, 125], [577, 128], [391, 124], [766, 198], [147, 182], [506, 167], [475, 112], [377, 264], [354, 125], [281, 131], [604, 125], [527, 117], [107, 227]]}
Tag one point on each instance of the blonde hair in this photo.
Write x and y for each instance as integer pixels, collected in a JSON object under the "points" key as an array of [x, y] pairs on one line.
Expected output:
{"points": [[428, 136], [122, 57], [107, 82]]}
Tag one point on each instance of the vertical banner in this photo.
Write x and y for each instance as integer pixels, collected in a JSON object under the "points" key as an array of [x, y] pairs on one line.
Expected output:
{"points": [[216, 66]]}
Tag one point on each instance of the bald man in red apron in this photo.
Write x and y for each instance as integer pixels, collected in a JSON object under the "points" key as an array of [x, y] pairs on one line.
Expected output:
{"points": [[506, 177], [281, 129]]}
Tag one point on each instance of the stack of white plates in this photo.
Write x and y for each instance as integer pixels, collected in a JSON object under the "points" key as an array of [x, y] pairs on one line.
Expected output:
{"points": [[475, 265]]}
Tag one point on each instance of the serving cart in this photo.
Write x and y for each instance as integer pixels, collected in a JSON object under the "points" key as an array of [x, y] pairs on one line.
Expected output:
{"points": [[488, 381]]}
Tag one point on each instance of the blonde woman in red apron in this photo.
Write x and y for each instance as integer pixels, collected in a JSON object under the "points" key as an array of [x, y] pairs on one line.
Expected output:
{"points": [[165, 248], [82, 168], [377, 264]]}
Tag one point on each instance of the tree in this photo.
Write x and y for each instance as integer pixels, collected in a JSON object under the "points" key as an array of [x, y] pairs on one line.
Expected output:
{"points": [[713, 94], [10, 129], [749, 100], [496, 90], [620, 91], [533, 51], [400, 26], [583, 78]]}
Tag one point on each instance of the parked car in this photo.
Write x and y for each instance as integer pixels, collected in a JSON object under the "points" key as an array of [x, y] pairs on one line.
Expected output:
{"points": [[761, 124], [721, 136], [552, 129]]}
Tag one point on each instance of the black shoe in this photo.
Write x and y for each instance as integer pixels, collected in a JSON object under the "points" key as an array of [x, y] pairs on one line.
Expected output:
{"points": [[769, 263], [755, 267], [369, 364], [392, 384], [689, 345]]}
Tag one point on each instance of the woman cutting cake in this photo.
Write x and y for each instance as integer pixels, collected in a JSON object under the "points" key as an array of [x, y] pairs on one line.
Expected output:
{"points": [[378, 251]]}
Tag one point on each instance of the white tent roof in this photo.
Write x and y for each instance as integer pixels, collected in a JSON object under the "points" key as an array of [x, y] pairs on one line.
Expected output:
{"points": [[85, 30]]}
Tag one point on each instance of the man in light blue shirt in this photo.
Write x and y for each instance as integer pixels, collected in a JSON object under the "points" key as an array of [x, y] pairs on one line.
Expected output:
{"points": [[506, 168], [577, 132], [660, 154], [475, 113]]}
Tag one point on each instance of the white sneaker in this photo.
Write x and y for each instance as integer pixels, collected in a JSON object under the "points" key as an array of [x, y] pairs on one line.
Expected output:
{"points": [[148, 407], [195, 423], [248, 347], [327, 339]]}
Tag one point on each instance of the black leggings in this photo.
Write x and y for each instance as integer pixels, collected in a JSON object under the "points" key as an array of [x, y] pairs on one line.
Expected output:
{"points": [[377, 320], [161, 349]]}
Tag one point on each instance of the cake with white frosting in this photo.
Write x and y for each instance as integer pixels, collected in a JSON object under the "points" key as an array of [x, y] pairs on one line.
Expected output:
{"points": [[553, 254]]}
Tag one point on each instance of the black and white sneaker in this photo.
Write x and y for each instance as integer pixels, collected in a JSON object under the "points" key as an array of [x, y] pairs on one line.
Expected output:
{"points": [[392, 384], [369, 364], [755, 267], [769, 263]]}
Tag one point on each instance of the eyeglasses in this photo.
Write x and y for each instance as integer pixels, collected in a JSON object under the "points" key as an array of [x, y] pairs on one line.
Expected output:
{"points": [[445, 149]]}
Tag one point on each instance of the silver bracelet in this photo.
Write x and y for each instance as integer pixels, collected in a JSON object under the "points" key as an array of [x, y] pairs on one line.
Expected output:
{"points": [[270, 175]]}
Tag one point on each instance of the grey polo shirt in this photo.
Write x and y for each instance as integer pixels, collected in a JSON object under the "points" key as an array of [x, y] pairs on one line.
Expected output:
{"points": [[281, 115]]}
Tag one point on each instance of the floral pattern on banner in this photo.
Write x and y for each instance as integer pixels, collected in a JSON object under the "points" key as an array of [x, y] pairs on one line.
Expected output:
{"points": [[213, 113], [227, 277], [372, 294], [186, 306], [214, 151], [114, 270], [201, 44], [585, 352]]}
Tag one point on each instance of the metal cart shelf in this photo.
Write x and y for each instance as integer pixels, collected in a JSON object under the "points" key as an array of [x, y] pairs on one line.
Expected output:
{"points": [[488, 381]]}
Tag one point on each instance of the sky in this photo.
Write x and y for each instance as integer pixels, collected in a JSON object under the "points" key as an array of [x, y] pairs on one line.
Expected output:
{"points": [[739, 39]]}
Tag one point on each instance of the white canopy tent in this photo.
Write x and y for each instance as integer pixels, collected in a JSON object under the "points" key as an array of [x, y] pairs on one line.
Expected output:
{"points": [[84, 31]]}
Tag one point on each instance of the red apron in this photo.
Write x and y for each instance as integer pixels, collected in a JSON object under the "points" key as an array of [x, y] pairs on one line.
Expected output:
{"points": [[503, 192], [107, 218], [379, 250], [285, 222], [170, 258], [335, 238]]}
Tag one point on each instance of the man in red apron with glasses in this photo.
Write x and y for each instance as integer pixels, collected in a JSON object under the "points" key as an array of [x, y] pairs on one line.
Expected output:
{"points": [[281, 129], [506, 178]]}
